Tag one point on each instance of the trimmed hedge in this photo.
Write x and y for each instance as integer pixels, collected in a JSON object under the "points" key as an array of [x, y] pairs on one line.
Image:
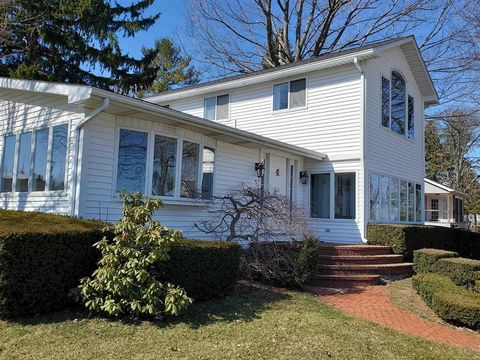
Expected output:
{"points": [[405, 239], [424, 260], [37, 270], [451, 302], [205, 269]]}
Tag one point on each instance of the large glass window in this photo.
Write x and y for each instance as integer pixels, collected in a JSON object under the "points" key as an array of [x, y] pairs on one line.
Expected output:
{"points": [[23, 163], [394, 199], [190, 152], [8, 159], [40, 160], [385, 102], [418, 203], [59, 157], [403, 200], [216, 107], [411, 202], [297, 93], [398, 103], [374, 197], [384, 193], [132, 161], [411, 118], [208, 166], [164, 166], [320, 196], [345, 196]]}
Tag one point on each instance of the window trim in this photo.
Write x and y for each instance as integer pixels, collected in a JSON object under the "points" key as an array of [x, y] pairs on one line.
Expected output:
{"points": [[176, 199], [289, 81], [407, 94], [216, 105], [45, 192]]}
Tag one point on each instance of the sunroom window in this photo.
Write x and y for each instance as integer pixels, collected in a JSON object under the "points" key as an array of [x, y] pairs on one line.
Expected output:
{"points": [[39, 179], [59, 158], [23, 164], [164, 166], [7, 162], [132, 161]]}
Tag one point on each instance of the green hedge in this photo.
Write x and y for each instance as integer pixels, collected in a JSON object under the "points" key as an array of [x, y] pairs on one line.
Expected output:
{"points": [[424, 260], [37, 270], [404, 239], [205, 269], [452, 303]]}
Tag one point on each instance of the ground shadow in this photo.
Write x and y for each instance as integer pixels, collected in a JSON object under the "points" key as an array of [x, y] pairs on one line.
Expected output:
{"points": [[245, 303]]}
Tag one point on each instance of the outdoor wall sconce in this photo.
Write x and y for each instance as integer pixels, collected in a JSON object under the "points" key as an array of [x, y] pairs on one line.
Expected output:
{"points": [[304, 177], [260, 169]]}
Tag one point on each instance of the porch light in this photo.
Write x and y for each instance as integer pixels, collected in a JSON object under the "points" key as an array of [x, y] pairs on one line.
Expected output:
{"points": [[304, 177], [260, 169]]}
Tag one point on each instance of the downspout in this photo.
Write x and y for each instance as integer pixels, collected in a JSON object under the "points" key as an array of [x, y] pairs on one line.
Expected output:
{"points": [[76, 149], [363, 158]]}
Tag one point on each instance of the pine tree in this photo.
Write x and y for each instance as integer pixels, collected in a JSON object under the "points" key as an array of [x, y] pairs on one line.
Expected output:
{"points": [[436, 155], [75, 41], [172, 69]]}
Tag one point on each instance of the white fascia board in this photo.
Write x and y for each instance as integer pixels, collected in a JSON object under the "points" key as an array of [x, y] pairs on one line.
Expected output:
{"points": [[75, 93], [255, 79], [141, 105]]}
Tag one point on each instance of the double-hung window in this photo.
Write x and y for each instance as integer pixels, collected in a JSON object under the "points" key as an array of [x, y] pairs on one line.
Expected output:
{"points": [[180, 168], [216, 107], [289, 95], [35, 160]]}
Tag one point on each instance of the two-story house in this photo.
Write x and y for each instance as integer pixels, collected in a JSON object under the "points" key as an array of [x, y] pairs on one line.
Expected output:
{"points": [[340, 134]]}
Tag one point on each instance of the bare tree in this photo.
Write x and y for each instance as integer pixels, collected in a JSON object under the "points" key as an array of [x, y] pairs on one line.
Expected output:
{"points": [[248, 214]]}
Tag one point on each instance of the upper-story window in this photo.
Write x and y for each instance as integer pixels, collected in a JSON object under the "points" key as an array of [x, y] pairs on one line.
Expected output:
{"points": [[39, 159], [216, 107], [289, 95], [397, 113], [180, 168]]}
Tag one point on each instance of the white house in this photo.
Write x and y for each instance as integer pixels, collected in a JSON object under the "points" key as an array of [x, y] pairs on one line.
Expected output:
{"points": [[350, 122], [443, 205]]}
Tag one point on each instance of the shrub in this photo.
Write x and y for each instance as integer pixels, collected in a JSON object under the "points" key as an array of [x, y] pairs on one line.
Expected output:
{"points": [[124, 282], [205, 269], [37, 270], [288, 264], [404, 239], [424, 260], [451, 302], [461, 271]]}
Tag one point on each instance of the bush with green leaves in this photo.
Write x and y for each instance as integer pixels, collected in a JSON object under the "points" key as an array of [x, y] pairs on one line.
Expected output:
{"points": [[124, 282]]}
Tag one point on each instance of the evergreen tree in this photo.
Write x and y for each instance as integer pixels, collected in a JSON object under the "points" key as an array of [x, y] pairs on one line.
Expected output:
{"points": [[436, 154], [75, 41], [172, 69]]}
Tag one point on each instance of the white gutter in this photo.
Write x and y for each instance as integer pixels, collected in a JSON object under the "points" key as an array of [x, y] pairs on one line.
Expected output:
{"points": [[76, 153], [363, 158]]}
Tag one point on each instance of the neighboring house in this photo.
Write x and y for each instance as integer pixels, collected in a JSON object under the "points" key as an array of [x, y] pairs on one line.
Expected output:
{"points": [[443, 205], [341, 135]]}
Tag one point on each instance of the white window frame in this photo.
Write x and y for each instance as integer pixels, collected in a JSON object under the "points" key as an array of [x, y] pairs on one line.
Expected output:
{"points": [[32, 152], [407, 94], [216, 105], [289, 82], [178, 164]]}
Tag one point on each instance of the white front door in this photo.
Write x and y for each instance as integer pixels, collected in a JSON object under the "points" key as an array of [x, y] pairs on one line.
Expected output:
{"points": [[277, 174]]}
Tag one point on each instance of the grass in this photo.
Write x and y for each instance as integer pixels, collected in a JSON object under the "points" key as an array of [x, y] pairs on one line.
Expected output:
{"points": [[23, 221], [253, 323]]}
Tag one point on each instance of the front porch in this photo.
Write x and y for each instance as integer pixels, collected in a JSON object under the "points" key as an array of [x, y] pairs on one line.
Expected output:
{"points": [[443, 206]]}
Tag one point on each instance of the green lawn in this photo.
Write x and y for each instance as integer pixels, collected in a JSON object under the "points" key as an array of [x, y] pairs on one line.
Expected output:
{"points": [[252, 323]]}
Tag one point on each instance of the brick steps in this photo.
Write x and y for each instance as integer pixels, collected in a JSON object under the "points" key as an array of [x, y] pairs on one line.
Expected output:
{"points": [[375, 269], [347, 266], [359, 259], [346, 281]]}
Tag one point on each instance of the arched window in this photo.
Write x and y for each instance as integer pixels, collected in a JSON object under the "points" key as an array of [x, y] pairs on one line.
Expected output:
{"points": [[398, 104]]}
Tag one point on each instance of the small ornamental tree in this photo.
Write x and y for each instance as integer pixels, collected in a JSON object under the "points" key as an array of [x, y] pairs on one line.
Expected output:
{"points": [[124, 283]]}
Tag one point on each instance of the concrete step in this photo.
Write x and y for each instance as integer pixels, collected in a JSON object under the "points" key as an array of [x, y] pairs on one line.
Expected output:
{"points": [[346, 281], [402, 269], [354, 250], [359, 259]]}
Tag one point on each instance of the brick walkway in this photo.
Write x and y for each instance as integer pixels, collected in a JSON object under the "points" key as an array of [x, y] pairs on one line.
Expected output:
{"points": [[373, 304]]}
